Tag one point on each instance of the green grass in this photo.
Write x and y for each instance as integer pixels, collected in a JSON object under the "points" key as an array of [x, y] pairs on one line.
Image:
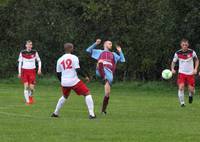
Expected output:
{"points": [[138, 112]]}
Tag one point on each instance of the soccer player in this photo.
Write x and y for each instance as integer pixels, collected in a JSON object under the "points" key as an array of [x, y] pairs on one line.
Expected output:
{"points": [[27, 70], [67, 69], [188, 66], [106, 65]]}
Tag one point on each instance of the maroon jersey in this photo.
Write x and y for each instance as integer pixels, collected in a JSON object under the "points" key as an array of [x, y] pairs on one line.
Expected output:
{"points": [[108, 60]]}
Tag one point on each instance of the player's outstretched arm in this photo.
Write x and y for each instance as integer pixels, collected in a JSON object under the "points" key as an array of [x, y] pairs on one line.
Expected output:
{"points": [[89, 49], [119, 49]]}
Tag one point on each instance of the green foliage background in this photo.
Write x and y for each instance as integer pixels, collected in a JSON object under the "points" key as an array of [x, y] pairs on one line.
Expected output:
{"points": [[148, 30]]}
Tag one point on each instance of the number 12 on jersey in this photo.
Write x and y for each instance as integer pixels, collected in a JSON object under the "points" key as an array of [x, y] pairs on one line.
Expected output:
{"points": [[67, 64]]}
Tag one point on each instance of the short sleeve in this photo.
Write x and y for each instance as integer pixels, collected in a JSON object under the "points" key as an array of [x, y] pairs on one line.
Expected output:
{"points": [[194, 55], [175, 59], [20, 57], [96, 53], [58, 67], [76, 63]]}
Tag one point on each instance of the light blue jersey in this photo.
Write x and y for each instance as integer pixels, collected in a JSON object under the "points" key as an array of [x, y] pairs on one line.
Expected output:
{"points": [[96, 54]]}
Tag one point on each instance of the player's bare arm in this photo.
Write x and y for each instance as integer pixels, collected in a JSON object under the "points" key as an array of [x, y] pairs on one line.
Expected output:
{"points": [[172, 67], [196, 66], [39, 72], [87, 79]]}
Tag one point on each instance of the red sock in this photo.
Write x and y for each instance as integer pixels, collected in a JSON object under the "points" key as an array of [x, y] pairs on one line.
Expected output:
{"points": [[105, 103], [101, 70], [31, 99]]}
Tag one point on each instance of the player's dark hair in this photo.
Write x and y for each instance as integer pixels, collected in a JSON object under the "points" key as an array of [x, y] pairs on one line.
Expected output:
{"points": [[68, 47]]}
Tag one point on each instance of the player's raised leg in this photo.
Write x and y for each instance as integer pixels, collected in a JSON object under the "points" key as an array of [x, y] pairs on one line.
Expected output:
{"points": [[100, 68]]}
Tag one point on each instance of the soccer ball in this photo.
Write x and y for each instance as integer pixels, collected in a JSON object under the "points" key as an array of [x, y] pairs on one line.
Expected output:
{"points": [[166, 74]]}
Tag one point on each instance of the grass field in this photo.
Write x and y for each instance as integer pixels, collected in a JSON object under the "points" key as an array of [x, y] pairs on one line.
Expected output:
{"points": [[138, 112]]}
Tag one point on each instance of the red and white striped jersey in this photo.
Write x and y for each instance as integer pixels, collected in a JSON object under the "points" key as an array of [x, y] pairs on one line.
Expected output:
{"points": [[186, 62], [28, 59]]}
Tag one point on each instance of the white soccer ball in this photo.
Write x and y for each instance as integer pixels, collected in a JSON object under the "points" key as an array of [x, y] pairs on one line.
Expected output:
{"points": [[166, 74]]}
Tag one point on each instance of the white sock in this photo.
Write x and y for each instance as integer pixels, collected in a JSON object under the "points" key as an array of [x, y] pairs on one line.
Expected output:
{"points": [[26, 95], [59, 105], [190, 94], [30, 92], [90, 104], [181, 96]]}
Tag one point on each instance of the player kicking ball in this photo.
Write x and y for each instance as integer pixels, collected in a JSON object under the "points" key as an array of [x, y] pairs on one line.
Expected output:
{"points": [[188, 66], [27, 70], [106, 65], [67, 69]]}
